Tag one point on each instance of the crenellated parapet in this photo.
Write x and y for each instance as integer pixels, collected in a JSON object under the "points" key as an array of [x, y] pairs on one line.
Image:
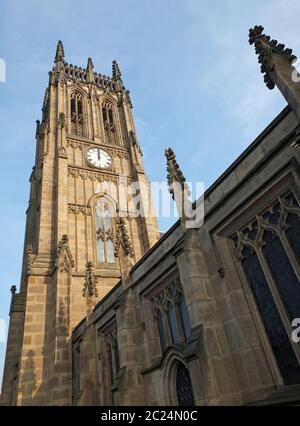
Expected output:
{"points": [[66, 71]]}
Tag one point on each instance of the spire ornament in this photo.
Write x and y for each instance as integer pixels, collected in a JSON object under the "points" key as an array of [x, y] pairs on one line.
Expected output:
{"points": [[264, 48], [13, 290], [174, 175], [60, 52], [90, 282], [90, 71], [180, 192], [116, 73], [90, 65], [122, 238]]}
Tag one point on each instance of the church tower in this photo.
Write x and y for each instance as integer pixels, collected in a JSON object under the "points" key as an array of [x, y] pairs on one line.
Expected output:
{"points": [[90, 212]]}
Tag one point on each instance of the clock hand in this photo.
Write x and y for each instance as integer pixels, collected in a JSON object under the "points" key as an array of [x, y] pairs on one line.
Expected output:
{"points": [[98, 155]]}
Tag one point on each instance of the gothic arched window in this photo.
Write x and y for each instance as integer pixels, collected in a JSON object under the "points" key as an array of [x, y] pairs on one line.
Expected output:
{"points": [[184, 387], [105, 232], [77, 116], [171, 315], [108, 123], [270, 260]]}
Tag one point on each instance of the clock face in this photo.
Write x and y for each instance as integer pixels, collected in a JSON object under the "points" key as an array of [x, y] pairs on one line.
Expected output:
{"points": [[99, 158]]}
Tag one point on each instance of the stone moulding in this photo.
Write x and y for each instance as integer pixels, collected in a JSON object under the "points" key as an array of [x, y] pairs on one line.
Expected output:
{"points": [[114, 152], [95, 176], [79, 209]]}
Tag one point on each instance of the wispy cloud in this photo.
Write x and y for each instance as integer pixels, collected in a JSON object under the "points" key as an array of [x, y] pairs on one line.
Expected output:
{"points": [[233, 74]]}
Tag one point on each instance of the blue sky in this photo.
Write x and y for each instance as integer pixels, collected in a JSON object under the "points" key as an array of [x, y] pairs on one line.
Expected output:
{"points": [[194, 80]]}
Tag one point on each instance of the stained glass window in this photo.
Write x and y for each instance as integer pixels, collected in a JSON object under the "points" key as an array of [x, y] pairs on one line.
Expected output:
{"points": [[104, 232], [161, 331], [173, 324], [184, 387], [268, 249], [172, 316], [279, 341], [100, 250], [283, 274]]}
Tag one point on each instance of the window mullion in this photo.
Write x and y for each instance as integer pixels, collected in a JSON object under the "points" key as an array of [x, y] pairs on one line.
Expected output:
{"points": [[179, 322], [166, 324], [290, 254], [113, 355], [76, 115]]}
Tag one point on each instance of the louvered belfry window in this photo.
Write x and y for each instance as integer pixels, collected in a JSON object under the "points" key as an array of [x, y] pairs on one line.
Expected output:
{"points": [[108, 123], [77, 116]]}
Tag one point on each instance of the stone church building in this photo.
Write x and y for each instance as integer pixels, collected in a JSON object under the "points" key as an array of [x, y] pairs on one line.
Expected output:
{"points": [[110, 312]]}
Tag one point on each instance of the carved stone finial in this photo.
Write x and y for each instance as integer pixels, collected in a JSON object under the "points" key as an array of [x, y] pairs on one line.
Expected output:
{"points": [[122, 238], [254, 33], [179, 190], [39, 128], [90, 65], [135, 141], [264, 48], [60, 52], [90, 71], [174, 173], [116, 73], [128, 98], [65, 239], [13, 289], [90, 282]]}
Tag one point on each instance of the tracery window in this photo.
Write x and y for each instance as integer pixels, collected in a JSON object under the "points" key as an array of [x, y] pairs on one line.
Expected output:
{"points": [[171, 315], [268, 251], [108, 122], [105, 232], [77, 116]]}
